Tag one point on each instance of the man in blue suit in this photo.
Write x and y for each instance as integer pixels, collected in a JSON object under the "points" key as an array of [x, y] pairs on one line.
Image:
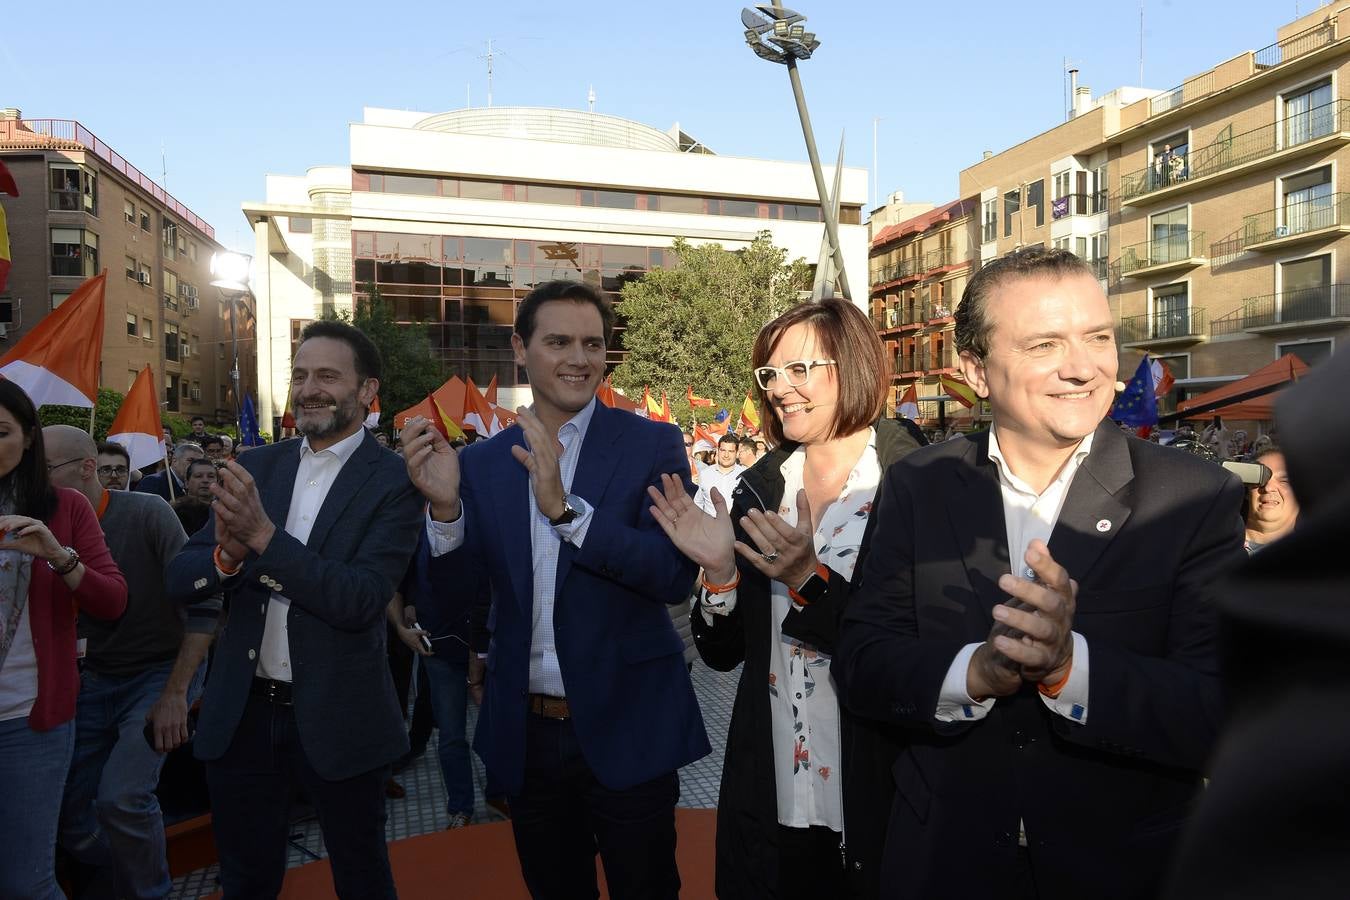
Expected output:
{"points": [[588, 711], [307, 539]]}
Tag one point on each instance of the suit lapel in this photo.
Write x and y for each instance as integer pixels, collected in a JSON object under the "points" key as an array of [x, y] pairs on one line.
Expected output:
{"points": [[281, 484], [595, 467], [976, 514], [1094, 511], [355, 473], [509, 487]]}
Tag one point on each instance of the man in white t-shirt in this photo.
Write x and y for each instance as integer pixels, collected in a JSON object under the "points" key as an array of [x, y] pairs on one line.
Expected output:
{"points": [[723, 474]]}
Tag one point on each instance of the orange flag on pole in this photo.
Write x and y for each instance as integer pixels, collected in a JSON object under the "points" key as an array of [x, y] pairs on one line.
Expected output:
{"points": [[137, 425], [478, 415], [697, 402], [442, 421], [491, 393], [373, 417], [57, 362]]}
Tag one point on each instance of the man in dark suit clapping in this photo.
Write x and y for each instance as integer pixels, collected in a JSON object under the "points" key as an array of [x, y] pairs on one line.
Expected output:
{"points": [[308, 540], [1034, 614]]}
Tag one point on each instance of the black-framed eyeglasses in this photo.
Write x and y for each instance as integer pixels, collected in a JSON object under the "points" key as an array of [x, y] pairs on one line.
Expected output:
{"points": [[795, 373], [53, 467], [105, 471]]}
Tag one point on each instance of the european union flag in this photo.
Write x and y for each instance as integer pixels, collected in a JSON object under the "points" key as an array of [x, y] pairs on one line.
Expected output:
{"points": [[721, 416], [248, 425], [1138, 404]]}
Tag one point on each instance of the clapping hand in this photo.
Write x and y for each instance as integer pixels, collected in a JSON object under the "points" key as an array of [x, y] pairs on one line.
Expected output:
{"points": [[433, 467], [239, 509], [783, 552], [708, 541], [539, 456]]}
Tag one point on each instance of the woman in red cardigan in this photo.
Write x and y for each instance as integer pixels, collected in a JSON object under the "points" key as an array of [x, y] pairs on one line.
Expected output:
{"points": [[53, 562]]}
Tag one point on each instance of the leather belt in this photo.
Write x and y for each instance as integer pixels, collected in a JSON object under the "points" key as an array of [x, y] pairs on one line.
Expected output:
{"points": [[278, 692], [550, 707]]}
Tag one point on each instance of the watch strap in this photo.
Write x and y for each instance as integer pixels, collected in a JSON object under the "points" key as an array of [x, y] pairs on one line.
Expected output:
{"points": [[813, 588]]}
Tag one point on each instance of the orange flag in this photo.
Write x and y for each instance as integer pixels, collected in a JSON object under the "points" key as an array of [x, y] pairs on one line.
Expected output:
{"points": [[909, 403], [491, 393], [57, 362], [478, 415], [697, 402], [7, 186], [373, 417], [137, 426]]}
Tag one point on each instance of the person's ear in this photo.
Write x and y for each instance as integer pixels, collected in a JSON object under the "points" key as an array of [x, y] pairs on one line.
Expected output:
{"points": [[973, 368]]}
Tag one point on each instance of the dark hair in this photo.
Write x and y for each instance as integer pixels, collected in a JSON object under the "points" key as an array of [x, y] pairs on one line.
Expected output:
{"points": [[31, 487], [193, 513], [212, 440], [195, 419], [112, 448], [845, 335], [364, 351], [199, 461], [728, 439], [187, 445], [973, 326], [573, 291]]}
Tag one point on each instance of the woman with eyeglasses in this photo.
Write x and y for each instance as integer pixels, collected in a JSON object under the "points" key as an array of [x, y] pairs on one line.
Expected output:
{"points": [[53, 561], [805, 788]]}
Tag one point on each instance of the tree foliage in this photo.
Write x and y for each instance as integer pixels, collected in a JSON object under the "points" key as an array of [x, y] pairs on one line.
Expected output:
{"points": [[695, 324], [411, 370], [105, 410]]}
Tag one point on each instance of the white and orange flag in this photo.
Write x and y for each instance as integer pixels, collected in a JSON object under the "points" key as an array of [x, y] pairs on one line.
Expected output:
{"points": [[373, 417], [57, 362], [137, 426], [478, 413]]}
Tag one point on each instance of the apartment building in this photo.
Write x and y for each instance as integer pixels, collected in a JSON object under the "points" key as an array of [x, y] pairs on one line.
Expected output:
{"points": [[84, 208], [918, 269], [1212, 211]]}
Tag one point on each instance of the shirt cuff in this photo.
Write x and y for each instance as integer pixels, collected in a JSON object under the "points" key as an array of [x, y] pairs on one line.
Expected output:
{"points": [[574, 532], [1072, 702], [710, 605], [445, 537], [954, 704]]}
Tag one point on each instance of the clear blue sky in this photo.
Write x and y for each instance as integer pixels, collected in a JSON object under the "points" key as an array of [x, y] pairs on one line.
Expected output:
{"points": [[269, 87]]}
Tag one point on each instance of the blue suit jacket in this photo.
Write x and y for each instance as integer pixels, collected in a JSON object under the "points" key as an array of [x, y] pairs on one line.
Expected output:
{"points": [[633, 707], [338, 584]]}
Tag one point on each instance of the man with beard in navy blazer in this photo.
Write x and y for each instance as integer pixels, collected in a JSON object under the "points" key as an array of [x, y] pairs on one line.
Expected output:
{"points": [[308, 540], [588, 711]]}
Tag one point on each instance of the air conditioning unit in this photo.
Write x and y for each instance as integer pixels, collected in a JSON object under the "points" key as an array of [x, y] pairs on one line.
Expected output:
{"points": [[1282, 231], [143, 277]]}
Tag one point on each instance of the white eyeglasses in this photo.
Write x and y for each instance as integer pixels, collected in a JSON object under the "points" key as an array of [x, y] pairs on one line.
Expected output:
{"points": [[795, 373]]}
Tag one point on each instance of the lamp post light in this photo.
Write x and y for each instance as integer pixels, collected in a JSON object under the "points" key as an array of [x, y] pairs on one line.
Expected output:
{"points": [[779, 35], [230, 277]]}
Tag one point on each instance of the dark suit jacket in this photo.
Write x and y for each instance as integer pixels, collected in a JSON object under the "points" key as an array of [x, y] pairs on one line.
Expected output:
{"points": [[338, 584], [1102, 802], [158, 483], [632, 704]]}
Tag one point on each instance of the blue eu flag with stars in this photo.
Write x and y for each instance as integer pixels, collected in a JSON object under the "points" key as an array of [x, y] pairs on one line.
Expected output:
{"points": [[1137, 406], [248, 425]]}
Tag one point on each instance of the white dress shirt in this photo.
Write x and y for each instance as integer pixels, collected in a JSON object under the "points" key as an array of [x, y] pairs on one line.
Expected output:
{"points": [[313, 479], [546, 543], [1027, 517], [713, 477]]}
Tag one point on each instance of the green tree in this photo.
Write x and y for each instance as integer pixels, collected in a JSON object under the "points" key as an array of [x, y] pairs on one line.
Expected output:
{"points": [[109, 401], [695, 324], [411, 370]]}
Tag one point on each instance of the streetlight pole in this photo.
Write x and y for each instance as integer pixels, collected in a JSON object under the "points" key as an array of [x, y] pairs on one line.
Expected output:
{"points": [[231, 279], [792, 42]]}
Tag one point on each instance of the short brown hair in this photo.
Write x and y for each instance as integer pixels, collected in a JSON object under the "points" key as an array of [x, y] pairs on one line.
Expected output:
{"points": [[560, 289], [973, 326], [845, 335]]}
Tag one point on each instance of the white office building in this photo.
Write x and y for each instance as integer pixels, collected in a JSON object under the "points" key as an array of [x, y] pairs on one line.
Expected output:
{"points": [[456, 215]]}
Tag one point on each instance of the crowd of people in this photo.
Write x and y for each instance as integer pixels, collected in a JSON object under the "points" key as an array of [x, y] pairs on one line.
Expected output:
{"points": [[970, 662]]}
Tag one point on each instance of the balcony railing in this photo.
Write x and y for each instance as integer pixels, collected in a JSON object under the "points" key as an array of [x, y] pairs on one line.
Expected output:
{"points": [[1174, 249], [902, 269], [930, 360], [1294, 219], [1314, 304], [911, 313], [1295, 45], [936, 259], [906, 363], [1165, 324], [1200, 86], [1231, 151], [1078, 205], [1100, 266], [936, 310]]}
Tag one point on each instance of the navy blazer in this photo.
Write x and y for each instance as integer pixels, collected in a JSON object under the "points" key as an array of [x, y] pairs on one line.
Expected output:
{"points": [[633, 707], [338, 584], [1146, 531]]}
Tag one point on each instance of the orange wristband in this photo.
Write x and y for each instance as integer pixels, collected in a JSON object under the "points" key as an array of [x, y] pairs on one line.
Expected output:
{"points": [[719, 588], [215, 555], [1052, 691]]}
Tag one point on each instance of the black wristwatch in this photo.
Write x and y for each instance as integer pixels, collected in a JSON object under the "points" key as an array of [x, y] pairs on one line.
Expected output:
{"points": [[569, 512], [813, 588]]}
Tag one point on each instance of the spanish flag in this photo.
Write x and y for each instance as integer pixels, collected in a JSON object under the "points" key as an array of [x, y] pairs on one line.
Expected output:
{"points": [[749, 414], [958, 390], [697, 402], [7, 186], [442, 421]]}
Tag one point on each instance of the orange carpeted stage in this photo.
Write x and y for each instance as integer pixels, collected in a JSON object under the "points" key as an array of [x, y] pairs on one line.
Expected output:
{"points": [[480, 861]]}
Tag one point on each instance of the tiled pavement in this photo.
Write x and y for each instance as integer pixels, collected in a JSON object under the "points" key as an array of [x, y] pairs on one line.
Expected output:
{"points": [[423, 810]]}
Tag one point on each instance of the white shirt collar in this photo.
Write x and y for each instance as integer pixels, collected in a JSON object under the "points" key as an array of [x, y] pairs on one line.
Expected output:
{"points": [[343, 449], [582, 420], [1005, 469]]}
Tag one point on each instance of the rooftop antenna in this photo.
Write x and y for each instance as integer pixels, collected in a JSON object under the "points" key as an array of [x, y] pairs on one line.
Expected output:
{"points": [[489, 70], [467, 101], [1141, 43], [163, 167], [590, 97]]}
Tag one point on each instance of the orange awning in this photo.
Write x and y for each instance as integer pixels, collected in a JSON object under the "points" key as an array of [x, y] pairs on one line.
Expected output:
{"points": [[1252, 397]]}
